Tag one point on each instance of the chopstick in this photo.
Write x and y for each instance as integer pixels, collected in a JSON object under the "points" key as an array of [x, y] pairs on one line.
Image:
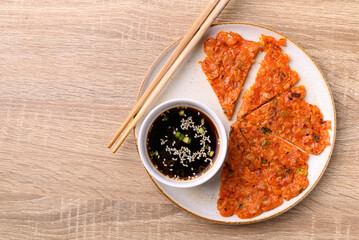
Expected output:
{"points": [[202, 24], [191, 32], [165, 68]]}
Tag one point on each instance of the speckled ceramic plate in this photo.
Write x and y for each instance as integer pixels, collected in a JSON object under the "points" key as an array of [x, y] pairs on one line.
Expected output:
{"points": [[190, 82]]}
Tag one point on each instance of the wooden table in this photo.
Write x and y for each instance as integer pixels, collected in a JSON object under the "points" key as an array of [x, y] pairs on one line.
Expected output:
{"points": [[69, 74]]}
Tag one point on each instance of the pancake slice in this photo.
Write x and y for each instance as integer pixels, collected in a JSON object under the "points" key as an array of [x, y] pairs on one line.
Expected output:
{"points": [[273, 78], [229, 58], [261, 171], [290, 117]]}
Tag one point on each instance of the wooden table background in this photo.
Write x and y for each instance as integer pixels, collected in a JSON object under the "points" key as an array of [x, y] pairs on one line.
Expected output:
{"points": [[69, 74]]}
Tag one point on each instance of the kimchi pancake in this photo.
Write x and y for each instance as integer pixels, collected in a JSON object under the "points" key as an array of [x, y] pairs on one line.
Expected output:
{"points": [[229, 58], [261, 171], [273, 78], [290, 117], [284, 165]]}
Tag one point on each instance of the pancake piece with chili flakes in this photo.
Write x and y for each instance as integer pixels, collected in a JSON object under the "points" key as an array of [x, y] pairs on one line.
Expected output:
{"points": [[290, 117], [273, 78], [229, 58], [261, 171]]}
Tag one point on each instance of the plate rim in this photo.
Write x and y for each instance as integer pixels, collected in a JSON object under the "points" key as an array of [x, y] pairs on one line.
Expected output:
{"points": [[327, 161]]}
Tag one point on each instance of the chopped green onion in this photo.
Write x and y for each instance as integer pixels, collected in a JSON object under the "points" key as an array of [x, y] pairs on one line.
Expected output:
{"points": [[302, 171], [206, 147], [186, 162], [284, 113], [181, 113], [264, 161], [154, 154], [265, 130], [181, 136], [211, 153], [201, 130], [231, 173], [315, 136], [187, 140], [165, 118], [265, 143], [202, 120], [177, 134]]}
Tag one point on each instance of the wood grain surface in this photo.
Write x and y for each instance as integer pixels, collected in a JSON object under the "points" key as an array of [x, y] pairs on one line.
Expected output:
{"points": [[69, 75]]}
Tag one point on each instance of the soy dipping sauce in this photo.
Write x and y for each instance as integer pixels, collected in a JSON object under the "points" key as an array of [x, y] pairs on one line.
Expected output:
{"points": [[182, 143]]}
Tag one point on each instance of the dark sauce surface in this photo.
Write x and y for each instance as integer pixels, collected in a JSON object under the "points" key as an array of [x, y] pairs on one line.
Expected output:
{"points": [[182, 143]]}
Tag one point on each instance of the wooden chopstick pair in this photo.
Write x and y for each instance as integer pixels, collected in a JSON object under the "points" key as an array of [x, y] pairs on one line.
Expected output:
{"points": [[183, 49]]}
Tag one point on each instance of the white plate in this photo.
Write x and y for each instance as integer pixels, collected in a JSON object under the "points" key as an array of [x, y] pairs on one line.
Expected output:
{"points": [[190, 82]]}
